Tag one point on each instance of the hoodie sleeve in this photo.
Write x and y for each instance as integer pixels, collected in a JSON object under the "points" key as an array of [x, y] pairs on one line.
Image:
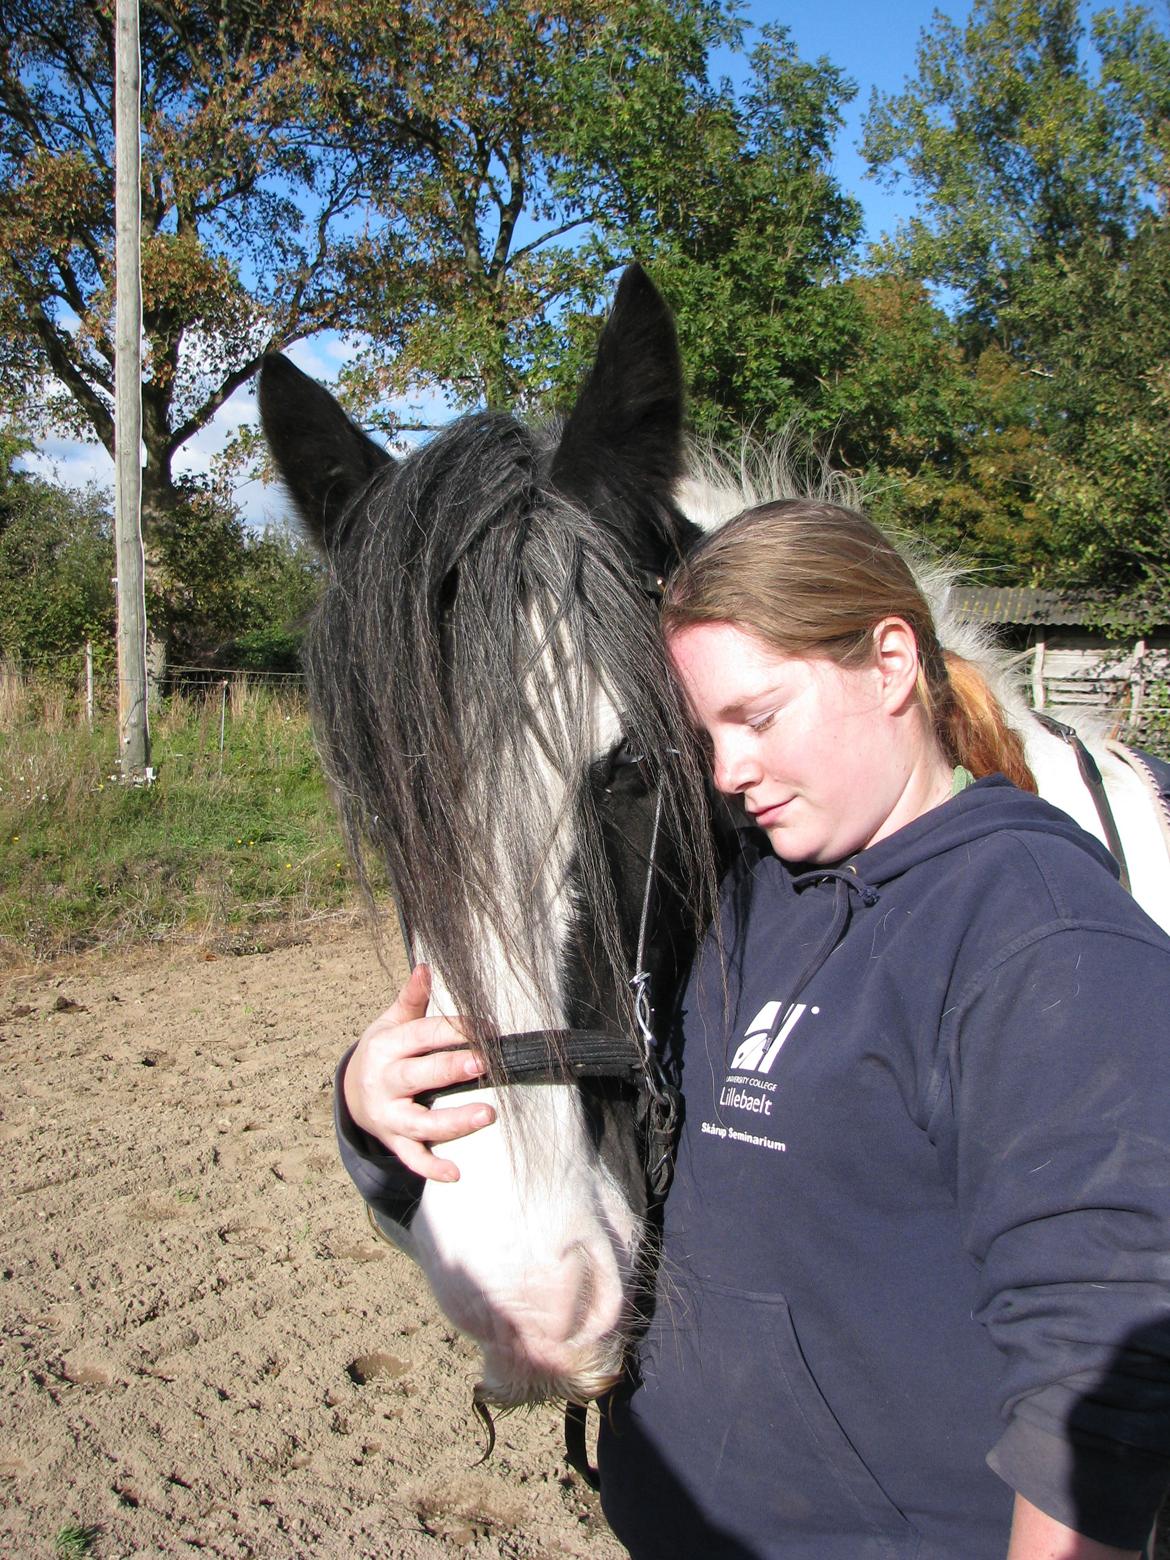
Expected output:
{"points": [[1057, 1125], [380, 1176]]}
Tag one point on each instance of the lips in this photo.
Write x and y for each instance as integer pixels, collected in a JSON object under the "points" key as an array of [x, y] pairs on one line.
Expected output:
{"points": [[766, 816]]}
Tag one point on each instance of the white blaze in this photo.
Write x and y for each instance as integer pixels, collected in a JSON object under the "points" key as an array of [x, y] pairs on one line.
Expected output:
{"points": [[531, 1251]]}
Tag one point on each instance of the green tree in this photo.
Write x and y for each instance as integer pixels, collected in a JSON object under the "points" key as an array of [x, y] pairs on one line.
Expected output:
{"points": [[56, 568], [221, 595], [494, 141], [1018, 149], [1041, 166], [748, 232], [1101, 325], [243, 220], [943, 435]]}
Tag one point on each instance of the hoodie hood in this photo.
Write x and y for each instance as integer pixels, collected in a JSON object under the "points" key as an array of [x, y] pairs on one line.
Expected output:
{"points": [[989, 806], [986, 807]]}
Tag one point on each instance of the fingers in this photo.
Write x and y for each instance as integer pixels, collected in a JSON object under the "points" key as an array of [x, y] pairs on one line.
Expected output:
{"points": [[402, 1054], [436, 1069], [444, 1125], [411, 1001]]}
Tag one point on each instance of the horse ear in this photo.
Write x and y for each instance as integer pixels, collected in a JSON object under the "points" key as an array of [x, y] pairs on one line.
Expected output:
{"points": [[626, 428], [323, 458]]}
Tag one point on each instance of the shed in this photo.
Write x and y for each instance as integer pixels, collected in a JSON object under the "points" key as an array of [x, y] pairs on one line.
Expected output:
{"points": [[1073, 665]]}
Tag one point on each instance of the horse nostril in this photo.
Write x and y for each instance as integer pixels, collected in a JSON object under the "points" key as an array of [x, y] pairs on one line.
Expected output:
{"points": [[582, 1275]]}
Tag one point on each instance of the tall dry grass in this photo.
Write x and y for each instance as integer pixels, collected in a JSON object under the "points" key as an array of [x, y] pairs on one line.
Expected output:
{"points": [[229, 841]]}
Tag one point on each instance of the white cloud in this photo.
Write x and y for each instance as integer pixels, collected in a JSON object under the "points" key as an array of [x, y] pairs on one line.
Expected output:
{"points": [[73, 463], [70, 463]]}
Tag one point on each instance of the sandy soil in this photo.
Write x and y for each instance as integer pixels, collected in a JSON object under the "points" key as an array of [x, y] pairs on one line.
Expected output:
{"points": [[204, 1346]]}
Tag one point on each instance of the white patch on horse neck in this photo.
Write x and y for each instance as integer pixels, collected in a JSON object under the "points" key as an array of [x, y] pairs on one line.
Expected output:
{"points": [[532, 1250], [717, 486], [1054, 764]]}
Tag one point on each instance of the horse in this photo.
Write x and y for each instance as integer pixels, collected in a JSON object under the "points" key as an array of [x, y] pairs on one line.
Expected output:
{"points": [[494, 711], [497, 720]]}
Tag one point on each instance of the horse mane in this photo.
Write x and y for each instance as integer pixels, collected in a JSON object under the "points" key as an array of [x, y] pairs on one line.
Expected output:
{"points": [[454, 664]]}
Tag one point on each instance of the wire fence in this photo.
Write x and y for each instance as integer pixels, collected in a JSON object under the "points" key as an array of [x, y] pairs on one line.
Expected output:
{"points": [[1111, 701], [231, 704], [89, 688]]}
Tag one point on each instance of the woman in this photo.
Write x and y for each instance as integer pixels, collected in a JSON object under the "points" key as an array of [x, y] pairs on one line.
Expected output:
{"points": [[913, 1297]]}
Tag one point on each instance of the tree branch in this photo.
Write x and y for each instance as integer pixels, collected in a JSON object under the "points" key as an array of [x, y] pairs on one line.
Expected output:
{"points": [[71, 375]]}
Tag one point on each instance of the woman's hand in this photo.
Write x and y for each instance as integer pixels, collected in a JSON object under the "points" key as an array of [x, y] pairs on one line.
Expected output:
{"points": [[404, 1053]]}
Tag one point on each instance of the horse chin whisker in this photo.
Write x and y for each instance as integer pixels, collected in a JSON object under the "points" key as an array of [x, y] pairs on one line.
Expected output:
{"points": [[495, 1397], [484, 1416]]}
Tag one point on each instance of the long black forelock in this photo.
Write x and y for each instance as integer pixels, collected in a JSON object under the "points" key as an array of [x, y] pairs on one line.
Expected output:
{"points": [[454, 662]]}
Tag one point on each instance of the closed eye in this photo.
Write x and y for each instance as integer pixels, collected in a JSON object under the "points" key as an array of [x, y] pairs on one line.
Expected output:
{"points": [[762, 722]]}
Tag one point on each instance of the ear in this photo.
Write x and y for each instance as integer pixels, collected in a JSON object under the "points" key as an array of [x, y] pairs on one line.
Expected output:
{"points": [[323, 458], [626, 428], [895, 647]]}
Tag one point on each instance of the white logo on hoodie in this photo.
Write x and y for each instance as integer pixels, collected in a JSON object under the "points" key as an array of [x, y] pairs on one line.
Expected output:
{"points": [[756, 1052]]}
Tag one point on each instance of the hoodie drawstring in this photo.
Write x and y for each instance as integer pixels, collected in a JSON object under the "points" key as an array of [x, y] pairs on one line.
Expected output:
{"points": [[847, 882]]}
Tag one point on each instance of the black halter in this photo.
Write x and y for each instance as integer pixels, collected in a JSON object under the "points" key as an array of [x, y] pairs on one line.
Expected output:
{"points": [[566, 1055], [1091, 776]]}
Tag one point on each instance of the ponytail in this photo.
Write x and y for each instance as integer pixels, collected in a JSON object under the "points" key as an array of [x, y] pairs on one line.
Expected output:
{"points": [[970, 724]]}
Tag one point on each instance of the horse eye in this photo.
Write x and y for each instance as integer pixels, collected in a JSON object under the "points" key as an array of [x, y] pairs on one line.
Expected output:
{"points": [[624, 768]]}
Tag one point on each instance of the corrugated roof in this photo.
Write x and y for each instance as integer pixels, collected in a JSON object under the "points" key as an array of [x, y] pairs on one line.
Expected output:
{"points": [[1014, 604]]}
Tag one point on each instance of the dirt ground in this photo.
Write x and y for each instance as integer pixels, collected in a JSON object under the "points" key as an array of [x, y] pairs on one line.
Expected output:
{"points": [[205, 1348]]}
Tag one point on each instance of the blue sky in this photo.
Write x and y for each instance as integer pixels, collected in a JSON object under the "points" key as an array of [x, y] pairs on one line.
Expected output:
{"points": [[875, 48]]}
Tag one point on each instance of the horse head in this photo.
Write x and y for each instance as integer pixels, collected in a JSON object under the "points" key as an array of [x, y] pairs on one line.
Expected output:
{"points": [[494, 710]]}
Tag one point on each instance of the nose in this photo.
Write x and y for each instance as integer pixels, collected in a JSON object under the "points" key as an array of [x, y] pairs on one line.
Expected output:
{"points": [[570, 1303], [735, 767], [556, 1330]]}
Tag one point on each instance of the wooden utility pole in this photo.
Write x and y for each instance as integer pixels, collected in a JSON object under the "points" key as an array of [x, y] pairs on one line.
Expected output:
{"points": [[133, 727]]}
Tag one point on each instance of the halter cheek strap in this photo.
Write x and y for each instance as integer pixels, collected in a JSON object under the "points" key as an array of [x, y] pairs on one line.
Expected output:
{"points": [[1095, 786]]}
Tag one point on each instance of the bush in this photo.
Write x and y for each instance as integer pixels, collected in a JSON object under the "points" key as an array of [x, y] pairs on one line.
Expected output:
{"points": [[56, 572]]}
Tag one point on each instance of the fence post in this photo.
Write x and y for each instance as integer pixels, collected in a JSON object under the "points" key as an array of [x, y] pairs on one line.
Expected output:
{"points": [[89, 683], [1137, 685], [222, 722], [1038, 675]]}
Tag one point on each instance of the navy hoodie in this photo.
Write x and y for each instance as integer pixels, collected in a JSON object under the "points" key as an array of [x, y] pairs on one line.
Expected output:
{"points": [[917, 1251]]}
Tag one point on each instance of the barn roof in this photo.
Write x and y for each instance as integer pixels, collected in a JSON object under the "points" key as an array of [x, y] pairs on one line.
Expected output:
{"points": [[1015, 604]]}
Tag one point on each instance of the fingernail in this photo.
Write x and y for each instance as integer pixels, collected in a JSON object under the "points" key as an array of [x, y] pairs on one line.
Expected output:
{"points": [[472, 1067], [480, 1118]]}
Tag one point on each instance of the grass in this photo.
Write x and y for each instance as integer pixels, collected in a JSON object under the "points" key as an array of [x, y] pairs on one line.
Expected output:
{"points": [[74, 1541], [221, 846]]}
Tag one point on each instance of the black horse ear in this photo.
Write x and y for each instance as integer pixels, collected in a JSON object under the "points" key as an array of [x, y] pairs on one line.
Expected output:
{"points": [[626, 428], [323, 458]]}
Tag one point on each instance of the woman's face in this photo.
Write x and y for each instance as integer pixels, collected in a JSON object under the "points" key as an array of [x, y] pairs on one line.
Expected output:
{"points": [[827, 760]]}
